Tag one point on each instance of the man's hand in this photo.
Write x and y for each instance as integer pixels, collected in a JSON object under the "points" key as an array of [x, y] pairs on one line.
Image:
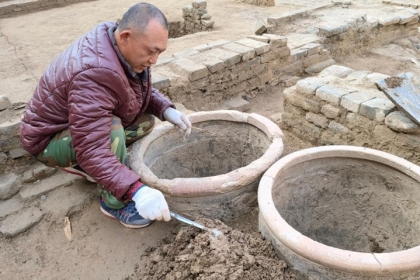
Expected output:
{"points": [[151, 204], [179, 119]]}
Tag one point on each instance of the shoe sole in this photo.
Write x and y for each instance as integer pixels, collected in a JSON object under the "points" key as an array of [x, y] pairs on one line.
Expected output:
{"points": [[126, 225], [79, 173]]}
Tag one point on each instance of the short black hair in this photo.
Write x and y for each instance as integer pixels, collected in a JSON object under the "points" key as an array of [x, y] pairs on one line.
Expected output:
{"points": [[139, 15]]}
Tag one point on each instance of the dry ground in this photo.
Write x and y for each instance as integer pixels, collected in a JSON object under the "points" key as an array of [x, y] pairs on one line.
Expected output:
{"points": [[101, 248]]}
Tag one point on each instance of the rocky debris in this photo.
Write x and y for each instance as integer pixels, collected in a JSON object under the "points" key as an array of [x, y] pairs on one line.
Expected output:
{"points": [[195, 254]]}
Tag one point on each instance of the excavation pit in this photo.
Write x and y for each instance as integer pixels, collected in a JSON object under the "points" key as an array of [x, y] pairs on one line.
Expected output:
{"points": [[341, 212], [215, 172]]}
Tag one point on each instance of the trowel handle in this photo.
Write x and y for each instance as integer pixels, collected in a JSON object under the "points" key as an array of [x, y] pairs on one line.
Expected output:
{"points": [[187, 221]]}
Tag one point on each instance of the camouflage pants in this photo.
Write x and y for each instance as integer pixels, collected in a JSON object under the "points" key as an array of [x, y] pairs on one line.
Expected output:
{"points": [[60, 152]]}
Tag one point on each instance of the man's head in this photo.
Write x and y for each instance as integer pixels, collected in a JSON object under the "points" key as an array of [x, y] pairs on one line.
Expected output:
{"points": [[141, 35]]}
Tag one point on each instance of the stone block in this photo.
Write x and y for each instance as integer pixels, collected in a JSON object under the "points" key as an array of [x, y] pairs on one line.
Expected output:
{"points": [[199, 4], [212, 63], [189, 68], [259, 38], [4, 102], [246, 52], [160, 82], [298, 54], [162, 60], [185, 53], [38, 171], [41, 187], [406, 16], [276, 40], [338, 128], [317, 119], [309, 85], [228, 57], [330, 111], [353, 100], [388, 19], [337, 71], [260, 27], [328, 30], [208, 23], [289, 81], [10, 128], [318, 67], [217, 43], [302, 102], [17, 153], [332, 94], [260, 47], [16, 224], [399, 122], [312, 48], [9, 185], [10, 206], [238, 104], [376, 109], [206, 17], [370, 80], [314, 59]]}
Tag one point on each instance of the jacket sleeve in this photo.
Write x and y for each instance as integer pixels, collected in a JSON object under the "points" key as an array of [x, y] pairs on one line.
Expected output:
{"points": [[158, 103], [91, 101]]}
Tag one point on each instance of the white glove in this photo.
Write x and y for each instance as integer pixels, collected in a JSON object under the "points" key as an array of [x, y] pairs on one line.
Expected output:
{"points": [[179, 119], [151, 204]]}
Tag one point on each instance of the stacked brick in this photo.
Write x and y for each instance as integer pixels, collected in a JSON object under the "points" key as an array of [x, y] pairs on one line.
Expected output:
{"points": [[404, 3], [222, 70], [342, 106]]}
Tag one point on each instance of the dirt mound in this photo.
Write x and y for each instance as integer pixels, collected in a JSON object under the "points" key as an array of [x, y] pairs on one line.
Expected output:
{"points": [[196, 254]]}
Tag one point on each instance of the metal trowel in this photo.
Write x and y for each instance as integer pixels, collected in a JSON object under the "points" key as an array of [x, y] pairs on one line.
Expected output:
{"points": [[214, 232]]}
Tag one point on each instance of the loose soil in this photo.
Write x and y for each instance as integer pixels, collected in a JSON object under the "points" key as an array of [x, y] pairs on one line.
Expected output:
{"points": [[194, 254], [101, 248]]}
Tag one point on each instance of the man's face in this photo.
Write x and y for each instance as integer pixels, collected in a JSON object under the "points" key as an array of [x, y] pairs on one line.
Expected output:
{"points": [[142, 50]]}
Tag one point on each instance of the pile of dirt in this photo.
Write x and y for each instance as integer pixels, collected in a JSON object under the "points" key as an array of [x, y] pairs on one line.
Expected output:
{"points": [[196, 254]]}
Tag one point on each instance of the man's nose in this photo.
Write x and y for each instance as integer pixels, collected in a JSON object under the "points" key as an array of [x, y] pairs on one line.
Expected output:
{"points": [[153, 59]]}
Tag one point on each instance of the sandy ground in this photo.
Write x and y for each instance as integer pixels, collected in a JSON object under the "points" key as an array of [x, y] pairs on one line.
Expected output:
{"points": [[101, 248]]}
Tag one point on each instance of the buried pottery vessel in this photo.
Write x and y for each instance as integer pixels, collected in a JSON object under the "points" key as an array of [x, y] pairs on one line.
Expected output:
{"points": [[342, 212], [216, 170]]}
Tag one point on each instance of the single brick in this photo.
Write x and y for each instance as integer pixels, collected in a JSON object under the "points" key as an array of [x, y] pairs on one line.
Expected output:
{"points": [[276, 40], [376, 109], [298, 54], [17, 153], [10, 128], [309, 85], [213, 64], [330, 111], [199, 4], [353, 100], [260, 27], [259, 38], [388, 19], [217, 43], [191, 69], [246, 52], [312, 48], [338, 128], [406, 16], [160, 82], [332, 94], [238, 104], [259, 47], [337, 71], [317, 119], [398, 121], [228, 57]]}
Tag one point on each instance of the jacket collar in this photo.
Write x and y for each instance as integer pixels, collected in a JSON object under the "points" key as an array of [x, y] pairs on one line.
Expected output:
{"points": [[143, 75]]}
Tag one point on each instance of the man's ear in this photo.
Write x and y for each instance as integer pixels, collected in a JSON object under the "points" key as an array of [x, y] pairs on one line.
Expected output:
{"points": [[125, 36]]}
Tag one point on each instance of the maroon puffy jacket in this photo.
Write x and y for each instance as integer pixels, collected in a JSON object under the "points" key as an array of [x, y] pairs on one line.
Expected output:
{"points": [[81, 90]]}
